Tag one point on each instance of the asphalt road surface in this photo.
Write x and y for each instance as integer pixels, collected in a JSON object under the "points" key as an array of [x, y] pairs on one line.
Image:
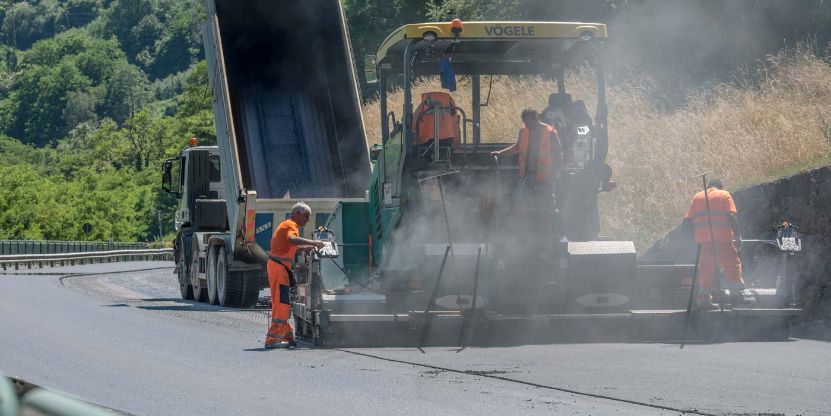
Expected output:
{"points": [[122, 338]]}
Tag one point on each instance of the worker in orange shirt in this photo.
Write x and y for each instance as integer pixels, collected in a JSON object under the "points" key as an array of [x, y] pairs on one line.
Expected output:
{"points": [[285, 242], [723, 240], [540, 156]]}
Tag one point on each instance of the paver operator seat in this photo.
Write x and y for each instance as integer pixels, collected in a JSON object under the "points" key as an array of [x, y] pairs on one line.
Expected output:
{"points": [[424, 121]]}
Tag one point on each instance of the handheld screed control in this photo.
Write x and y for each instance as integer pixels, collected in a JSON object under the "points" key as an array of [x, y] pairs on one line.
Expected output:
{"points": [[330, 248]]}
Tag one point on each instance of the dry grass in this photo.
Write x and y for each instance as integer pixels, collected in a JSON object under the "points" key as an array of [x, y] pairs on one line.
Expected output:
{"points": [[743, 133]]}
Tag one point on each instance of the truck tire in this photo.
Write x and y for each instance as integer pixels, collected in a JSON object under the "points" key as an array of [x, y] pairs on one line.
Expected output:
{"points": [[228, 285], [250, 288], [200, 290], [182, 272], [210, 272]]}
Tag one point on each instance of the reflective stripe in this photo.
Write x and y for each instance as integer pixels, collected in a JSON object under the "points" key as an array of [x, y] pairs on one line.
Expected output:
{"points": [[716, 223], [699, 220], [283, 335], [278, 321], [278, 259], [249, 225], [713, 212]]}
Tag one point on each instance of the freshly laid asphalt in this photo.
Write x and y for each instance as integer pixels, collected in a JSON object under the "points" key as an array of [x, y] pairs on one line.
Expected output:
{"points": [[126, 341]]}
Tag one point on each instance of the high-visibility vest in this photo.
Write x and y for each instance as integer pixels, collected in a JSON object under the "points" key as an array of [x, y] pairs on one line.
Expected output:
{"points": [[424, 118], [545, 160], [280, 246], [721, 207]]}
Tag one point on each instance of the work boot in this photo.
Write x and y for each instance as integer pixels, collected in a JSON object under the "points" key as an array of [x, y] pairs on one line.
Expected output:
{"points": [[280, 345], [705, 303], [706, 306], [741, 298]]}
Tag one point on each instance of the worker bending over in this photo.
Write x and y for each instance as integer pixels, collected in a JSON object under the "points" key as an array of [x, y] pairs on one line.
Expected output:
{"points": [[725, 237], [285, 242], [540, 156]]}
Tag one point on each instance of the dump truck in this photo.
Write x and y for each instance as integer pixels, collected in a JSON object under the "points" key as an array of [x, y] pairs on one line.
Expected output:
{"points": [[445, 251], [289, 128]]}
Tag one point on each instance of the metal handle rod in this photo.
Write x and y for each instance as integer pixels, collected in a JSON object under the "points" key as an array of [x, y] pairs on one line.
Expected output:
{"points": [[463, 334], [449, 240], [429, 318], [497, 187], [693, 289], [716, 264]]}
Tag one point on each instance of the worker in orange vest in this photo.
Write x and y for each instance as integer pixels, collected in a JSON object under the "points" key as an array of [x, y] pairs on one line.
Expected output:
{"points": [[722, 215], [285, 242], [540, 154], [424, 118]]}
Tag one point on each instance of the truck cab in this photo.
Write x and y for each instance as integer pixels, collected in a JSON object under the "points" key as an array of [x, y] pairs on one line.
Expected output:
{"points": [[180, 178]]}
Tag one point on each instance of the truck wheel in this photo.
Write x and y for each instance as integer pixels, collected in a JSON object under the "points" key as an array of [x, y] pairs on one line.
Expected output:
{"points": [[250, 288], [228, 285], [200, 291], [210, 272], [182, 273]]}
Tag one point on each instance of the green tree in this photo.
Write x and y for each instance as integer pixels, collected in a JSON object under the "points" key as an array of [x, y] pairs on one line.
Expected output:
{"points": [[197, 95], [195, 110], [181, 43], [102, 148], [370, 21], [24, 23], [78, 13], [475, 9], [126, 93], [96, 58], [160, 36], [80, 108], [146, 134], [39, 100]]}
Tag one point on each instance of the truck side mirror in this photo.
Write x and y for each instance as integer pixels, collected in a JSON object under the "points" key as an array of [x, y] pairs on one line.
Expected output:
{"points": [[168, 184], [166, 181], [375, 151], [370, 73], [166, 177]]}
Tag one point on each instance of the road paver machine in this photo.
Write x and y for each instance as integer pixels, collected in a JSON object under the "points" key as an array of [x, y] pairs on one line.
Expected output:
{"points": [[450, 247]]}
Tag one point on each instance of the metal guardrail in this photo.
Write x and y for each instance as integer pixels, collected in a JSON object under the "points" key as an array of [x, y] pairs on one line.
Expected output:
{"points": [[54, 246], [63, 259], [20, 398]]}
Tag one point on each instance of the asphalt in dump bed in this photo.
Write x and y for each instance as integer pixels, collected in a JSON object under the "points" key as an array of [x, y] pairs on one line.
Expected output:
{"points": [[127, 341], [296, 114]]}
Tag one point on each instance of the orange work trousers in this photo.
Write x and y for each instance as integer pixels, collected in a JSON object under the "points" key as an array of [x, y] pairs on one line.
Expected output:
{"points": [[728, 258], [280, 328]]}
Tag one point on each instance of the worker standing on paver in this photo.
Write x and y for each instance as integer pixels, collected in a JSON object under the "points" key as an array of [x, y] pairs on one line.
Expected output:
{"points": [[721, 215], [285, 242], [540, 154]]}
